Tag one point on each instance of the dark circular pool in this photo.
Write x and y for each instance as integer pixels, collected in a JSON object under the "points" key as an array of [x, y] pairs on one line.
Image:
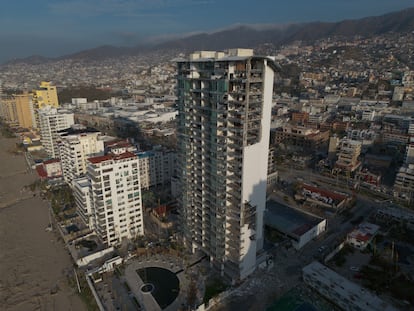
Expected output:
{"points": [[162, 283]]}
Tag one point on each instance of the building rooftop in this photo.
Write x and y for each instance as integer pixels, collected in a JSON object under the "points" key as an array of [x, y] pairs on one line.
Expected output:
{"points": [[337, 197], [41, 172], [227, 56], [145, 154], [345, 289], [118, 143], [110, 156], [76, 130], [288, 219], [82, 182], [364, 232], [50, 161]]}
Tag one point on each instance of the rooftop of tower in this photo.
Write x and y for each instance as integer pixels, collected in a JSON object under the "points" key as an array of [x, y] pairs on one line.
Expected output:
{"points": [[77, 129], [227, 56], [110, 156], [239, 53]]}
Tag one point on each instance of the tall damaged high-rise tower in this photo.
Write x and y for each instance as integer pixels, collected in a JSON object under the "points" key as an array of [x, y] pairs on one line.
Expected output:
{"points": [[224, 102]]}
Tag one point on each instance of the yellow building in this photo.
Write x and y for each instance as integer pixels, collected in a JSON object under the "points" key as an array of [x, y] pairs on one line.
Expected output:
{"points": [[17, 110], [8, 110], [45, 95], [24, 108]]}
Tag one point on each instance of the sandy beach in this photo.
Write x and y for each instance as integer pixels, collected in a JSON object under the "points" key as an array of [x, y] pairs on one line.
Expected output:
{"points": [[33, 262]]}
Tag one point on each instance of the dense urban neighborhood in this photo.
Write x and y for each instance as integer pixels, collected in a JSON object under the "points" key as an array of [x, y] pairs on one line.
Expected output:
{"points": [[273, 178]]}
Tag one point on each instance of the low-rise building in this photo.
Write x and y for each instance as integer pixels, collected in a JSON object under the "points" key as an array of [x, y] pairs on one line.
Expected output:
{"points": [[363, 235], [298, 226], [348, 156], [404, 183], [398, 214], [49, 169], [323, 197], [344, 293], [304, 138], [368, 178]]}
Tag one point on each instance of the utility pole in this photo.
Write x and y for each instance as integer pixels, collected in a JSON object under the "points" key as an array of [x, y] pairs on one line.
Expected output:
{"points": [[50, 216]]}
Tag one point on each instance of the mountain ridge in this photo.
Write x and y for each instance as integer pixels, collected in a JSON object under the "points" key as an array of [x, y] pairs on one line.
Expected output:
{"points": [[249, 37]]}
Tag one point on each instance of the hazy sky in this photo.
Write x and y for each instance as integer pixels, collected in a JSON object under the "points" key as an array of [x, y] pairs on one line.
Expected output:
{"points": [[58, 27]]}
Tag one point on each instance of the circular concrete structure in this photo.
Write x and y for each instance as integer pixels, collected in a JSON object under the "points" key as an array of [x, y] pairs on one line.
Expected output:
{"points": [[147, 288], [161, 283]]}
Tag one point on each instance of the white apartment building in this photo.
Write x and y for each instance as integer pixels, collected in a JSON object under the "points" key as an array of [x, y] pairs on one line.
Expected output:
{"points": [[75, 147], [51, 121], [156, 167], [224, 103], [115, 197], [81, 192], [404, 183]]}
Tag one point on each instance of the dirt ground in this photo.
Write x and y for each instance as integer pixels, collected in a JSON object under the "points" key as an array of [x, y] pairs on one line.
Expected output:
{"points": [[33, 262]]}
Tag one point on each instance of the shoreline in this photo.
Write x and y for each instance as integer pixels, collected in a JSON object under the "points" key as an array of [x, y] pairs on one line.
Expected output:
{"points": [[33, 262]]}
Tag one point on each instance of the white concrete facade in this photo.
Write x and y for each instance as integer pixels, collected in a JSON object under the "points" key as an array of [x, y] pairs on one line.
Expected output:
{"points": [[224, 102], [156, 167], [360, 237], [52, 120], [309, 235], [75, 149], [53, 168], [404, 183], [116, 206], [81, 192]]}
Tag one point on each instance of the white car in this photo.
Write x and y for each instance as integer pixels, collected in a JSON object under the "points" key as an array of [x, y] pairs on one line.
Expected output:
{"points": [[356, 269]]}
